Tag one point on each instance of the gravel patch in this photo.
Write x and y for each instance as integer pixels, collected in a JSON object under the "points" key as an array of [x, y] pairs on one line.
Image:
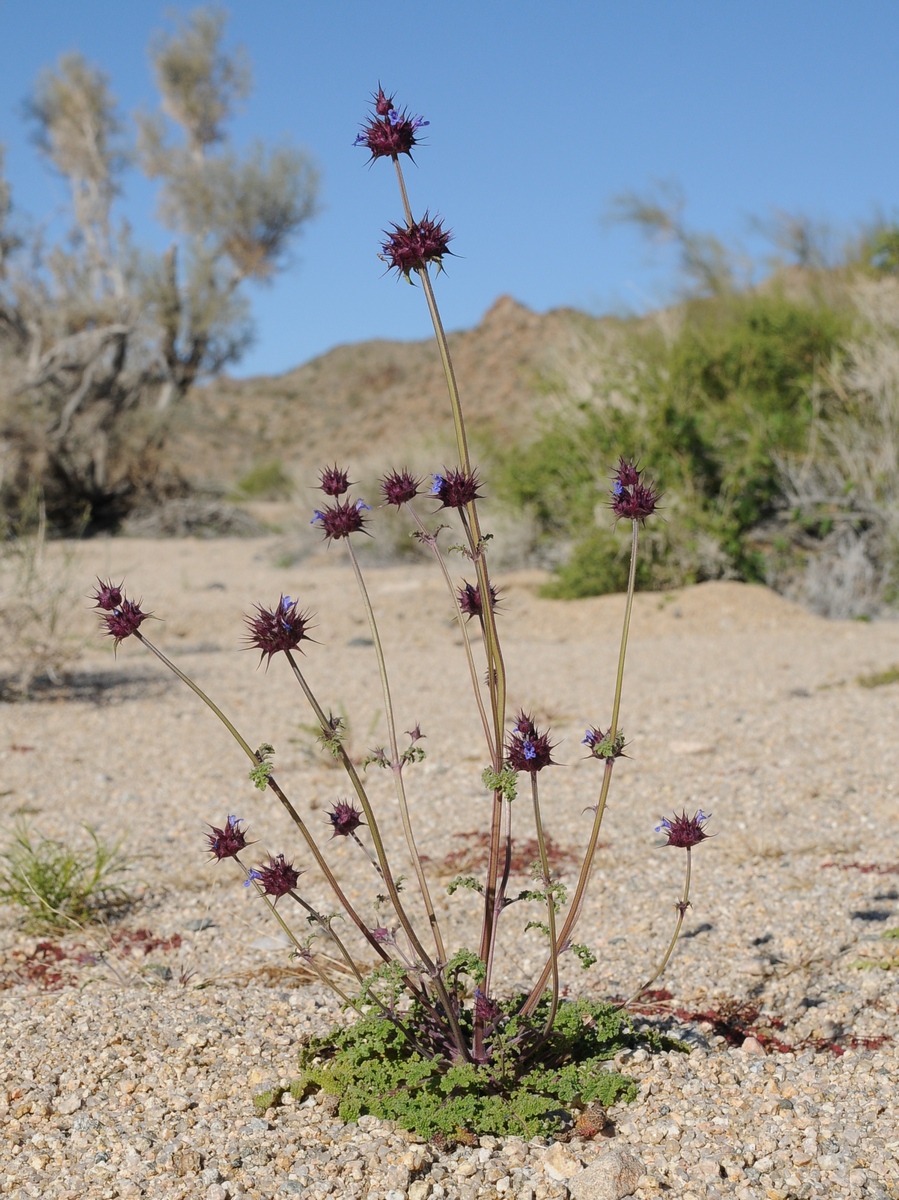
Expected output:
{"points": [[131, 1053]]}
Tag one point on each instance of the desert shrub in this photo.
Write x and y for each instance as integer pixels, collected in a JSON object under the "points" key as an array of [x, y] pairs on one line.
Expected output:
{"points": [[264, 481], [714, 407], [36, 598], [436, 1045], [841, 513]]}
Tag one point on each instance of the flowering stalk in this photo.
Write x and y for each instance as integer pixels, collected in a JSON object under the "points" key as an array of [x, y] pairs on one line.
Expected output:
{"points": [[392, 890], [614, 743], [396, 762], [431, 541], [496, 673], [273, 784], [684, 832], [299, 948], [550, 908]]}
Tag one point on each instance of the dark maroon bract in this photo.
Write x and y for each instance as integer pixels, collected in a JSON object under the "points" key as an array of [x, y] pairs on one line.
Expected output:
{"points": [[399, 487], [390, 132], [229, 841], [527, 749], [469, 597], [342, 519], [277, 878], [411, 247], [276, 630], [345, 819], [334, 481], [631, 498], [456, 488], [684, 831]]}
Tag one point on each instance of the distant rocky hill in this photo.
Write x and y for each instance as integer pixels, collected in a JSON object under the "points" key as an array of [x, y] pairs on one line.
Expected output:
{"points": [[380, 402]]}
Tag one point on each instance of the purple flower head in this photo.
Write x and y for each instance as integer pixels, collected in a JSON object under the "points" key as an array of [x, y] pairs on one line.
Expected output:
{"points": [[485, 1009], [469, 596], [684, 831], [384, 937], [411, 247], [334, 482], [399, 487], [341, 519], [277, 878], [279, 628], [124, 619], [631, 498], [345, 819], [456, 487], [108, 595], [227, 842], [527, 748], [391, 131], [601, 745]]}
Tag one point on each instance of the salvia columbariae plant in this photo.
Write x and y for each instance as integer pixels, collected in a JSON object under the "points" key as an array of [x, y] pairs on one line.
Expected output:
{"points": [[436, 1002]]}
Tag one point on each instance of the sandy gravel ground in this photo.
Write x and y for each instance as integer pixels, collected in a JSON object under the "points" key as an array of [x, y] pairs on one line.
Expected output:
{"points": [[131, 1053]]}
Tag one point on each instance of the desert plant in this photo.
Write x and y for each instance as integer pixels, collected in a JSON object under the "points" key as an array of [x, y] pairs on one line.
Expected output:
{"points": [[264, 481], [58, 886], [36, 641], [716, 406], [100, 341], [435, 1046]]}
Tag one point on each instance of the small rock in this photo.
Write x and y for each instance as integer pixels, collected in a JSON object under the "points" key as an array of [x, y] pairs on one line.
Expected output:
{"points": [[419, 1189], [613, 1176], [757, 965], [559, 1163], [198, 923], [691, 748], [752, 1045], [68, 1104]]}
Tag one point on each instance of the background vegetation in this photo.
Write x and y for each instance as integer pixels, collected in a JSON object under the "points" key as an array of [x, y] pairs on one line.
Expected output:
{"points": [[767, 413], [101, 340]]}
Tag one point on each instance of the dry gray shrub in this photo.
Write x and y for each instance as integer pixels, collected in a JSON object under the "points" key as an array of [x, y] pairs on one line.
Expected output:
{"points": [[36, 599], [848, 482]]}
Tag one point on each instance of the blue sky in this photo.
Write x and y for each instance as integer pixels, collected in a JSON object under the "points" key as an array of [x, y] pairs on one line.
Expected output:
{"points": [[541, 113]]}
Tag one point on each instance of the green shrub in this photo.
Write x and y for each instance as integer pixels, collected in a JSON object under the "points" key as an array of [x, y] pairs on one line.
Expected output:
{"points": [[265, 481], [709, 412]]}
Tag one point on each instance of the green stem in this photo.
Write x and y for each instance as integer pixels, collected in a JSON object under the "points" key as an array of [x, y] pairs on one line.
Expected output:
{"points": [[631, 587], [550, 907], [293, 938], [577, 901], [682, 907], [339, 893], [407, 208], [430, 540], [503, 841], [389, 881], [395, 761]]}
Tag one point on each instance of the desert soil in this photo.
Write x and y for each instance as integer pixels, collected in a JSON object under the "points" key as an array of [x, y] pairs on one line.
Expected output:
{"points": [[132, 1050]]}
